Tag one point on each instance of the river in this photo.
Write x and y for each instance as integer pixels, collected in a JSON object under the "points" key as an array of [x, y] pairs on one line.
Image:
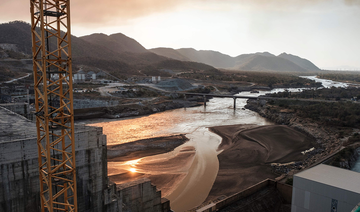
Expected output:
{"points": [[200, 174]]}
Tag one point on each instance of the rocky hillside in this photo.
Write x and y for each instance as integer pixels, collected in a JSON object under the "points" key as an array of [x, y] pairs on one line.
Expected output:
{"points": [[116, 42], [306, 64], [212, 58], [121, 55], [117, 53], [258, 62], [18, 33], [261, 61], [169, 53]]}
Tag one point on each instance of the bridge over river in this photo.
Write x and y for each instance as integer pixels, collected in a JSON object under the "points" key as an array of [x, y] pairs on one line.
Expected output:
{"points": [[208, 96]]}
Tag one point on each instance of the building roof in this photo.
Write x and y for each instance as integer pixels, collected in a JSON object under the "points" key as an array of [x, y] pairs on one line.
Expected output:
{"points": [[333, 176]]}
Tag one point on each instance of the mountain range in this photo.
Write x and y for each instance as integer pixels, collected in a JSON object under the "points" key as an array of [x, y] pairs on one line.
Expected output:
{"points": [[121, 55], [264, 61]]}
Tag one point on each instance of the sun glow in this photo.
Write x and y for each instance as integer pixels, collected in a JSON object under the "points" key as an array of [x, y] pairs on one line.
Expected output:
{"points": [[133, 170], [132, 162]]}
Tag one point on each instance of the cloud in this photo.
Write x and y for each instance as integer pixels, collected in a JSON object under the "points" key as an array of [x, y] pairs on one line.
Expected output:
{"points": [[15, 10], [109, 12], [93, 12], [353, 2]]}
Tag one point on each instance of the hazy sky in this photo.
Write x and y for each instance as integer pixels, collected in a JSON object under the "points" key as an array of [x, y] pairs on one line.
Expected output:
{"points": [[327, 32]]}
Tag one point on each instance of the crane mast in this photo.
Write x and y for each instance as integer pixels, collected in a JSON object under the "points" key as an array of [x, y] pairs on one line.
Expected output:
{"points": [[52, 69]]}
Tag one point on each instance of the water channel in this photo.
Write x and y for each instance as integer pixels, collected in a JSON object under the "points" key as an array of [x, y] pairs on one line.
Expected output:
{"points": [[200, 173]]}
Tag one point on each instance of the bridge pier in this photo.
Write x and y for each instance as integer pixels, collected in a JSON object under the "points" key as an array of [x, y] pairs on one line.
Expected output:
{"points": [[204, 101], [234, 103]]}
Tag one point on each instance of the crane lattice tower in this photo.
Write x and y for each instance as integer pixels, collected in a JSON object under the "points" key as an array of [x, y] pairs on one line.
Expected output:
{"points": [[51, 47]]}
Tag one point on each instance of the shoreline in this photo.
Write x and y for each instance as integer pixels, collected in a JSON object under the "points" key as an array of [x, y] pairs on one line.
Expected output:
{"points": [[249, 151], [327, 140], [246, 154], [131, 110], [144, 148]]}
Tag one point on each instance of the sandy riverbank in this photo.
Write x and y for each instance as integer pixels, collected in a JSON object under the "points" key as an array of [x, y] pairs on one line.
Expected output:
{"points": [[165, 170], [247, 152]]}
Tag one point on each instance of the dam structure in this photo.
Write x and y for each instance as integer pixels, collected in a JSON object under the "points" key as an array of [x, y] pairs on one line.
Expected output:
{"points": [[19, 178]]}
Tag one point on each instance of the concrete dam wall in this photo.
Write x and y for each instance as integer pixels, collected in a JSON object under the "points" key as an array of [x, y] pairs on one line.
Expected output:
{"points": [[19, 172]]}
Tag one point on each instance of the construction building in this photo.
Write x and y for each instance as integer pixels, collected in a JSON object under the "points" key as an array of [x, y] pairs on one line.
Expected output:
{"points": [[325, 188], [19, 179]]}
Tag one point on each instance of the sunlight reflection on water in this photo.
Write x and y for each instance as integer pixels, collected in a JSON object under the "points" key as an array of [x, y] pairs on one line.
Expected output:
{"points": [[190, 121], [218, 112]]}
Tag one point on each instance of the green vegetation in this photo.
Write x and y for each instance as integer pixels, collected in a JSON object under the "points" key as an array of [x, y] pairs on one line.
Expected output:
{"points": [[17, 55], [136, 92], [152, 71], [184, 66], [6, 74], [268, 79], [113, 67], [341, 76], [122, 69], [354, 138], [206, 89], [341, 114], [342, 156], [289, 181], [328, 93], [17, 32]]}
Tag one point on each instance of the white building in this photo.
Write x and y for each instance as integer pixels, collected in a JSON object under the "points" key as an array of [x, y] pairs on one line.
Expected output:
{"points": [[325, 188], [155, 79]]}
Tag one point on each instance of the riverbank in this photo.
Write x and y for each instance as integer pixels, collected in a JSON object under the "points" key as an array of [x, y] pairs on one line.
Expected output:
{"points": [[144, 148], [245, 156], [248, 152], [158, 159], [132, 109], [327, 138]]}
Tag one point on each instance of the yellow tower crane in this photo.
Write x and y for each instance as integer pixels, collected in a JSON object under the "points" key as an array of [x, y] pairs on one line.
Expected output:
{"points": [[51, 47]]}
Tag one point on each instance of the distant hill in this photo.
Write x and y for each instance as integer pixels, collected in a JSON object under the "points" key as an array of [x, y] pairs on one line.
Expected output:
{"points": [[260, 61], [123, 55], [268, 63], [267, 54], [116, 42], [117, 53], [17, 32], [245, 58], [306, 64], [212, 58], [170, 53]]}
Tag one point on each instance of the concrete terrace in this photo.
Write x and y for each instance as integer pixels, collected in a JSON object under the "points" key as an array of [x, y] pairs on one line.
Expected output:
{"points": [[14, 126]]}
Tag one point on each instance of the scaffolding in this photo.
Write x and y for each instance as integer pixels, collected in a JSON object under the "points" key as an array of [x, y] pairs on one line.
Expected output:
{"points": [[51, 47]]}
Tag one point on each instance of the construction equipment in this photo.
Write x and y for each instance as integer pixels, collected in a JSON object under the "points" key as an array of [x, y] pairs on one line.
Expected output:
{"points": [[51, 47]]}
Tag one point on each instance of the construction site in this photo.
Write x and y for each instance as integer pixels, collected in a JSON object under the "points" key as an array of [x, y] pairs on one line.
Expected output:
{"points": [[49, 163], [53, 165], [20, 172]]}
